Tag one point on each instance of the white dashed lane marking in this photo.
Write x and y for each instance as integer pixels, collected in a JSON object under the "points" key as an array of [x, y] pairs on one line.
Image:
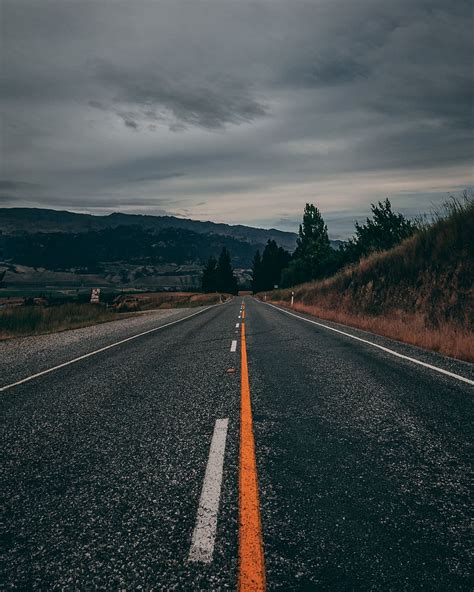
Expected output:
{"points": [[204, 535]]}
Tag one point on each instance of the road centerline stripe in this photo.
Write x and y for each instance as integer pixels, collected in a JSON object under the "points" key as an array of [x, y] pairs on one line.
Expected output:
{"points": [[251, 557], [204, 534], [97, 351], [233, 346], [381, 347]]}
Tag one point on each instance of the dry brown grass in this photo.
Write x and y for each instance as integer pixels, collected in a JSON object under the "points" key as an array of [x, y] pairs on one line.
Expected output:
{"points": [[20, 321], [447, 340], [165, 300]]}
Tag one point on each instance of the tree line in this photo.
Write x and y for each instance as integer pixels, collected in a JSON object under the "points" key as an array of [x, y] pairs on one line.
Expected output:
{"points": [[313, 258], [218, 275]]}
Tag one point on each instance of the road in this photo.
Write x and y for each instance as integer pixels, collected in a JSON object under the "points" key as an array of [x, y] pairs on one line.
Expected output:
{"points": [[218, 451]]}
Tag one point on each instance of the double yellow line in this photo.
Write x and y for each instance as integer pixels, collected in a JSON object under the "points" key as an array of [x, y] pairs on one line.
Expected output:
{"points": [[251, 558]]}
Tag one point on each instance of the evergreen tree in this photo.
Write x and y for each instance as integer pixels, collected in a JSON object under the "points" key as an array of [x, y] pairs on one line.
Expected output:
{"points": [[313, 248], [381, 232], [385, 230], [209, 276], [226, 281], [257, 273], [266, 271]]}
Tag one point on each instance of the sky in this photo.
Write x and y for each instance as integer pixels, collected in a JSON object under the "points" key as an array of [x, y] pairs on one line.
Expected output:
{"points": [[236, 111]]}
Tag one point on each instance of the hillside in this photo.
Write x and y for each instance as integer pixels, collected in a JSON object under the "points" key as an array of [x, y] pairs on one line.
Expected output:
{"points": [[420, 292], [131, 256], [34, 220], [132, 244]]}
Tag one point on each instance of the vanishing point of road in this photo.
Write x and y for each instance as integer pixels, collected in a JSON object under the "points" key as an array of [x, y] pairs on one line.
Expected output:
{"points": [[239, 446]]}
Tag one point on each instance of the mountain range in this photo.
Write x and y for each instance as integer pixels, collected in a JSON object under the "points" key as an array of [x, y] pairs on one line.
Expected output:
{"points": [[41, 248], [34, 220]]}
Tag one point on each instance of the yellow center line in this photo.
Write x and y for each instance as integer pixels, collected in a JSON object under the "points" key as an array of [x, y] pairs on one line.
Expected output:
{"points": [[251, 558]]}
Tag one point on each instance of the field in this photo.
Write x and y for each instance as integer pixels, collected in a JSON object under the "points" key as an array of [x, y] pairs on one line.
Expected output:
{"points": [[19, 321], [161, 300]]}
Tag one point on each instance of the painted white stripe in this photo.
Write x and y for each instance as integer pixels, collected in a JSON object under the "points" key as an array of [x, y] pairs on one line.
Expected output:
{"points": [[240, 316], [233, 346], [97, 351], [204, 534], [237, 325], [385, 349]]}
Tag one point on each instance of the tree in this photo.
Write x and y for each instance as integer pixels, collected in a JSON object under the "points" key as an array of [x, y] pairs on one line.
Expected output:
{"points": [[209, 276], [226, 281], [381, 232], [312, 247], [296, 273], [266, 270], [257, 273]]}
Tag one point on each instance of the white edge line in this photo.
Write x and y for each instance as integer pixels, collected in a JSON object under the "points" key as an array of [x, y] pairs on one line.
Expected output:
{"points": [[204, 534], [237, 325], [385, 349], [97, 351], [233, 345]]}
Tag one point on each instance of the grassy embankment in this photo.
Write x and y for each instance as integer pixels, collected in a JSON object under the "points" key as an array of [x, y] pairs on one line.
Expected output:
{"points": [[421, 292], [19, 321]]}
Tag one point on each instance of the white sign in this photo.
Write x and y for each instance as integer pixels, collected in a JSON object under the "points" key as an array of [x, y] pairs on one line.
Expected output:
{"points": [[95, 296]]}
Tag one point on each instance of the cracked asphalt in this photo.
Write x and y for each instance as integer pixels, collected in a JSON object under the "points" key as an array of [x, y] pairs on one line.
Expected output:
{"points": [[363, 458]]}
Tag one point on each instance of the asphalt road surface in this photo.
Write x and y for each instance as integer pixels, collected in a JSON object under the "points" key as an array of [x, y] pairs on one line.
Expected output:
{"points": [[216, 452]]}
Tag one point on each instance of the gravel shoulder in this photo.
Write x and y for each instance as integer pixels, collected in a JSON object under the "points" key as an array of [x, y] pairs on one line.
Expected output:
{"points": [[23, 356]]}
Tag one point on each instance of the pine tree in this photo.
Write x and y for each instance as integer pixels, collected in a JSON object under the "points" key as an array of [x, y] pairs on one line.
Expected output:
{"points": [[209, 276], [385, 230], [226, 281], [313, 248]]}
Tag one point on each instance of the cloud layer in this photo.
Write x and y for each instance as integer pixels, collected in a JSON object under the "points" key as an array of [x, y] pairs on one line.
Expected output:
{"points": [[236, 111]]}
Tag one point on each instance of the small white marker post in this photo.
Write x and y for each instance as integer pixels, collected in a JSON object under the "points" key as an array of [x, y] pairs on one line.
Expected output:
{"points": [[292, 298]]}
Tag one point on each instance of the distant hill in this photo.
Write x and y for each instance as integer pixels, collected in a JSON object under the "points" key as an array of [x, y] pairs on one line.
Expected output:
{"points": [[35, 220], [91, 249]]}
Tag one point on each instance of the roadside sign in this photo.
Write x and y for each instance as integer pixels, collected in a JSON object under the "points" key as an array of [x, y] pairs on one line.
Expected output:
{"points": [[95, 296]]}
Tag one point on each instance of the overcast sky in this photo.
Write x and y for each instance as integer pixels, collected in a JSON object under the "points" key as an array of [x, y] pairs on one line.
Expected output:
{"points": [[236, 111]]}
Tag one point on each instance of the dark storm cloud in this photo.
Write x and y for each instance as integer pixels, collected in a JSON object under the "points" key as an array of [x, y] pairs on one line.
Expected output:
{"points": [[210, 104], [266, 103]]}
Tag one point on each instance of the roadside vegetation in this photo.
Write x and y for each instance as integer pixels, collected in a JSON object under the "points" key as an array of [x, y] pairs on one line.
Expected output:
{"points": [[164, 300], [19, 321], [411, 281], [37, 319]]}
